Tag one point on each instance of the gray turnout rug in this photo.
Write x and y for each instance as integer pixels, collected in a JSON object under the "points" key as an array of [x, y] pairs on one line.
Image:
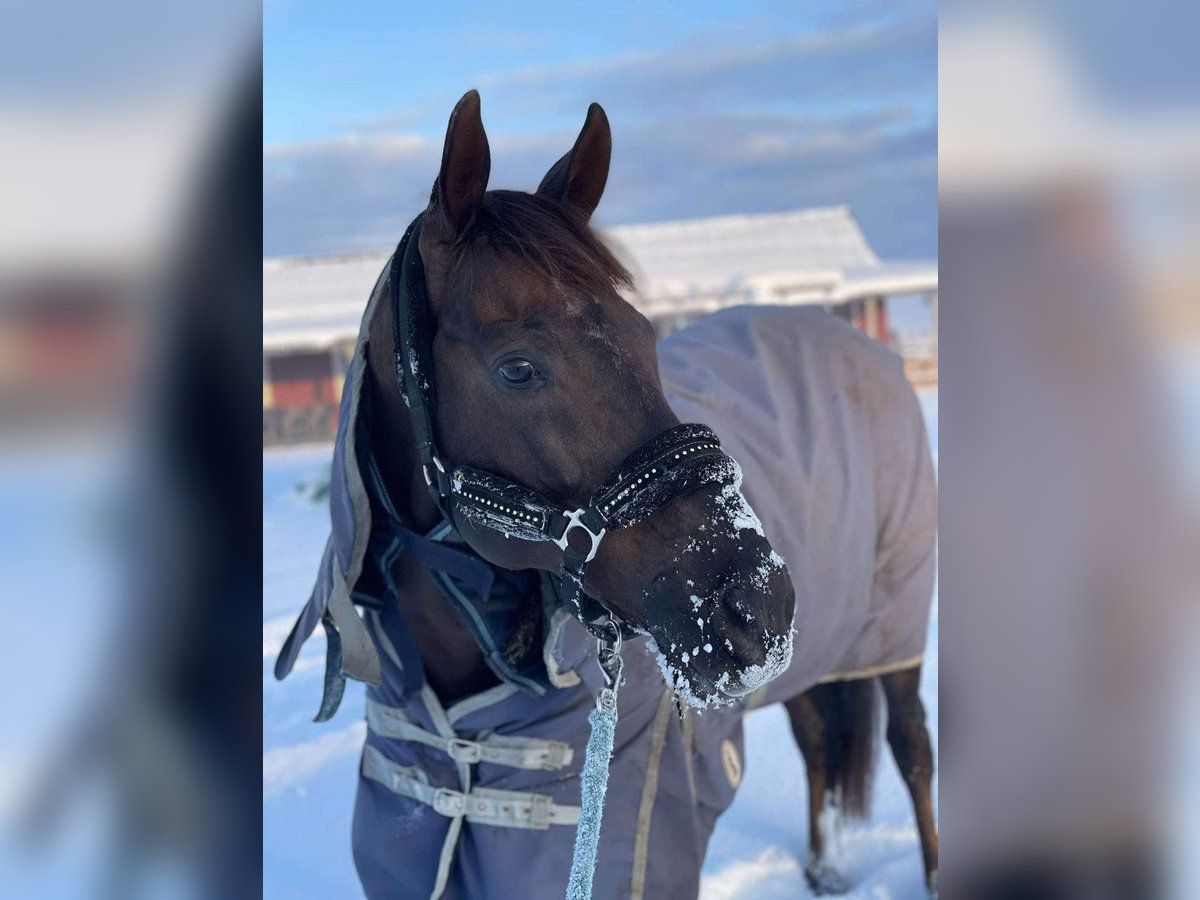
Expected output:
{"points": [[804, 401]]}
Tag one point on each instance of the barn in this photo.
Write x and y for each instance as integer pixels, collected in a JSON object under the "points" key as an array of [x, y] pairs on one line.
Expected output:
{"points": [[312, 307]]}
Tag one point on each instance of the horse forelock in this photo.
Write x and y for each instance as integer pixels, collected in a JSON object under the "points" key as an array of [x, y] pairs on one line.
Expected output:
{"points": [[549, 238]]}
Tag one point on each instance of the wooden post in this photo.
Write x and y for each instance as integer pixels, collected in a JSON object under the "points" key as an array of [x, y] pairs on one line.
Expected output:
{"points": [[934, 310], [881, 322]]}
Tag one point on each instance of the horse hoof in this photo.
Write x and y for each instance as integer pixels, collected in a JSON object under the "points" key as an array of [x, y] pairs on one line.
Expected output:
{"points": [[824, 880], [931, 885]]}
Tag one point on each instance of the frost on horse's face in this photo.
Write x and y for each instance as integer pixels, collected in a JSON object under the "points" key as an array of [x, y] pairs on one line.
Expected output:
{"points": [[546, 375]]}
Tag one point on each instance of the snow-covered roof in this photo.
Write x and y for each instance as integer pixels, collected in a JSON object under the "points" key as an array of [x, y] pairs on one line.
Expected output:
{"points": [[315, 302], [805, 256], [699, 250]]}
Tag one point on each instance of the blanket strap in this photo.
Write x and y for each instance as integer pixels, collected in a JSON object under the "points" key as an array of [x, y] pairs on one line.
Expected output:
{"points": [[603, 722], [514, 751], [480, 806]]}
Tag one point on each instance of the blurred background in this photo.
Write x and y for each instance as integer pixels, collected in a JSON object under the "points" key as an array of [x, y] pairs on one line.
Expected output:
{"points": [[1069, 164], [805, 136], [129, 204]]}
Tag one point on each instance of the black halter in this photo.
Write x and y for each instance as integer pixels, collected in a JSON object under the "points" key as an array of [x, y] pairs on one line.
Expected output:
{"points": [[668, 466]]}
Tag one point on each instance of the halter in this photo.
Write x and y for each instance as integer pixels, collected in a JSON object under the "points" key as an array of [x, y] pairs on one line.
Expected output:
{"points": [[675, 463]]}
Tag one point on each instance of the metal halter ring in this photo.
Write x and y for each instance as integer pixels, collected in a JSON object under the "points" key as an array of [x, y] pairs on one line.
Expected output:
{"points": [[608, 653], [574, 520]]}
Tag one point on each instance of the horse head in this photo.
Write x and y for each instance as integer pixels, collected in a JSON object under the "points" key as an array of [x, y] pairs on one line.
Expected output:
{"points": [[546, 375]]}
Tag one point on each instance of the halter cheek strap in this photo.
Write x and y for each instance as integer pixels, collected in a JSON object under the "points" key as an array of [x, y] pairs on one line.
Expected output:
{"points": [[676, 462], [413, 358]]}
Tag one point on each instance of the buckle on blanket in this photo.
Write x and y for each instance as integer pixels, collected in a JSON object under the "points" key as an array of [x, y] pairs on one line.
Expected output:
{"points": [[451, 804], [464, 751], [555, 756], [539, 812]]}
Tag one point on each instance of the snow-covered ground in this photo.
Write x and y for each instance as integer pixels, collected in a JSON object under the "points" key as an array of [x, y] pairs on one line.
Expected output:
{"points": [[309, 771]]}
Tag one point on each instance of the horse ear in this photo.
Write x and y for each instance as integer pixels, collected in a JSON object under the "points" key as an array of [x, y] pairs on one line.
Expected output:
{"points": [[578, 178], [466, 164]]}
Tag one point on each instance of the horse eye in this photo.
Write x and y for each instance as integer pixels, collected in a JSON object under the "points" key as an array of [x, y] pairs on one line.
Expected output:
{"points": [[518, 371]]}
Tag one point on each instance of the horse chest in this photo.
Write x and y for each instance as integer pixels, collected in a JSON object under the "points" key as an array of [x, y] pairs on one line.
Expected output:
{"points": [[454, 666]]}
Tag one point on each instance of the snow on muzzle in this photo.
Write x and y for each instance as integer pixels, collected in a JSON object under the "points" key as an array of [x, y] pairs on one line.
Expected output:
{"points": [[738, 636]]}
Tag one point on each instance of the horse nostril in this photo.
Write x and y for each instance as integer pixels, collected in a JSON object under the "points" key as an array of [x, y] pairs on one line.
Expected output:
{"points": [[737, 604]]}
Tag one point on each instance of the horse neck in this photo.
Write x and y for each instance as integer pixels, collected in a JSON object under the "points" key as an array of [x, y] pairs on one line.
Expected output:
{"points": [[454, 665]]}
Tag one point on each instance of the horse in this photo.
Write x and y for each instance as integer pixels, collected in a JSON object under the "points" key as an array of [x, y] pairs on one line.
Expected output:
{"points": [[538, 382]]}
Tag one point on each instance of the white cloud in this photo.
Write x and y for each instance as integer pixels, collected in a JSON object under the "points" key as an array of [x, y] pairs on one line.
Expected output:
{"points": [[377, 146]]}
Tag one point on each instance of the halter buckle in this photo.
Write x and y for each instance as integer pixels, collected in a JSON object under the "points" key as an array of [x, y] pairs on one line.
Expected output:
{"points": [[575, 520], [425, 471]]}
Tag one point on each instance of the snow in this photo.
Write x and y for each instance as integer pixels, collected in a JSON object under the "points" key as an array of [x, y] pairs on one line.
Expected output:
{"points": [[773, 873], [758, 850], [309, 771], [779, 657], [286, 767], [737, 508]]}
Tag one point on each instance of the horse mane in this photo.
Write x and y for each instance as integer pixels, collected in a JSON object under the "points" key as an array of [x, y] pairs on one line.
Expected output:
{"points": [[548, 236]]}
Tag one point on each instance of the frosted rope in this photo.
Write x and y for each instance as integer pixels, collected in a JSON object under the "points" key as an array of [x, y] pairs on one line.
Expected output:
{"points": [[603, 720]]}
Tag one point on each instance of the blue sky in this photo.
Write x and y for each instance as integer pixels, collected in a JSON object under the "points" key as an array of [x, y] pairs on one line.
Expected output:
{"points": [[715, 108]]}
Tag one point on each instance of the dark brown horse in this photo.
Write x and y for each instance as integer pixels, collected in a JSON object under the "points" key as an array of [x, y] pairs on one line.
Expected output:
{"points": [[545, 374]]}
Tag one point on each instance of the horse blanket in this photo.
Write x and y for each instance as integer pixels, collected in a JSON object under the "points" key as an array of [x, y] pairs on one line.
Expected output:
{"points": [[480, 799], [801, 399]]}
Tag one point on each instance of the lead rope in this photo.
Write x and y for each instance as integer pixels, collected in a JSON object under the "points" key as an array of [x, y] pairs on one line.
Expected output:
{"points": [[603, 720]]}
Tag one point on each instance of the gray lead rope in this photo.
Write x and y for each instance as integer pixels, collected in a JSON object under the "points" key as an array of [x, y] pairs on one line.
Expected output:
{"points": [[603, 721]]}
